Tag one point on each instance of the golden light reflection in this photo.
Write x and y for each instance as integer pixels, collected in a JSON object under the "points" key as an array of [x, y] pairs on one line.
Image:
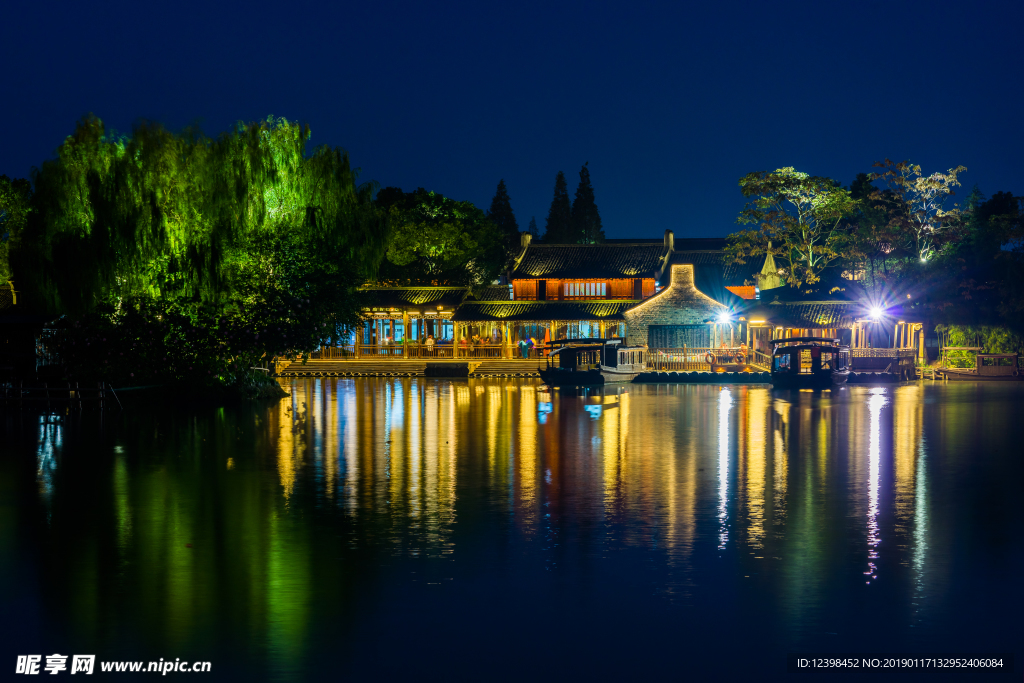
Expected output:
{"points": [[527, 454], [291, 417], [907, 429], [780, 460], [756, 452]]}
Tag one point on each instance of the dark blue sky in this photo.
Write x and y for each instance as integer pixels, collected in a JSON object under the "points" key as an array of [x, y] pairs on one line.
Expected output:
{"points": [[670, 103]]}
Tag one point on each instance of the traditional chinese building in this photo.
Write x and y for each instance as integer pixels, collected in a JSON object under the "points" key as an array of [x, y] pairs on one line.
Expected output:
{"points": [[663, 294], [568, 291]]}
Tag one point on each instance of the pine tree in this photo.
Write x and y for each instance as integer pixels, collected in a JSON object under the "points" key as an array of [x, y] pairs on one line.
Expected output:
{"points": [[501, 215], [532, 229], [585, 224], [556, 231]]}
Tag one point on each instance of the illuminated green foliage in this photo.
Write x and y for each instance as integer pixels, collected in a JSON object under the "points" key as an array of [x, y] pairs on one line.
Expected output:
{"points": [[799, 221], [182, 258], [14, 207], [438, 240], [171, 215], [918, 216]]}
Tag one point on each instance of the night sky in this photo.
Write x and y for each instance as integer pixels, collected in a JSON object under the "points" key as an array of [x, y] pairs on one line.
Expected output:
{"points": [[670, 103]]}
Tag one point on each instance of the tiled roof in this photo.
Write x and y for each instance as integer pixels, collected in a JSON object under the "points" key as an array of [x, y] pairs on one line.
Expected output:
{"points": [[698, 258], [826, 315], [712, 263], [494, 293], [542, 310], [837, 290], [406, 297], [543, 261]]}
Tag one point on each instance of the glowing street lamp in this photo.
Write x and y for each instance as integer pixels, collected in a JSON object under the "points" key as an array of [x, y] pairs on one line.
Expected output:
{"points": [[876, 313]]}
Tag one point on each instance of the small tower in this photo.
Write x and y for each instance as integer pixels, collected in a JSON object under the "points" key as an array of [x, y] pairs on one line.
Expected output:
{"points": [[769, 278]]}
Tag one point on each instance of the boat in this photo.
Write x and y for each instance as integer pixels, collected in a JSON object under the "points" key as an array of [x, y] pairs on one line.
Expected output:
{"points": [[988, 367], [589, 362], [809, 363]]}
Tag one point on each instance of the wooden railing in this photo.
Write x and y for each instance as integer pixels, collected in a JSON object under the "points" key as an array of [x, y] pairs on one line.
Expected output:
{"points": [[335, 353], [693, 358], [418, 351], [883, 360]]}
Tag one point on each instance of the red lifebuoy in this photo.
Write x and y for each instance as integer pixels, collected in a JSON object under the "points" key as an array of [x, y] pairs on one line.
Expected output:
{"points": [[710, 358]]}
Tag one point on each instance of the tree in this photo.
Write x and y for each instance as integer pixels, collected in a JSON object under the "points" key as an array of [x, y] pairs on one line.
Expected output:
{"points": [[502, 216], [869, 251], [196, 257], [170, 215], [532, 228], [586, 221], [437, 240], [558, 227], [918, 215], [15, 197], [799, 222]]}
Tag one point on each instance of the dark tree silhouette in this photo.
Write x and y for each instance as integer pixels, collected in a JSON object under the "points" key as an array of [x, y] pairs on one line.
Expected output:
{"points": [[585, 221], [502, 216], [532, 229], [557, 229]]}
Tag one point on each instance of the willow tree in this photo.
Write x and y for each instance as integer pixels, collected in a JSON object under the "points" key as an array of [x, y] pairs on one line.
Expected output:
{"points": [[248, 244], [798, 219], [172, 215]]}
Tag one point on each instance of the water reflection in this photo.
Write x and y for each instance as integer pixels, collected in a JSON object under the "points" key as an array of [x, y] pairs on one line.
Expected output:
{"points": [[875, 404], [51, 433], [307, 520], [724, 404]]}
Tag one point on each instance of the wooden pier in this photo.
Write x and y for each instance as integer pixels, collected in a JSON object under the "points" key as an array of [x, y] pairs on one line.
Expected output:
{"points": [[408, 368]]}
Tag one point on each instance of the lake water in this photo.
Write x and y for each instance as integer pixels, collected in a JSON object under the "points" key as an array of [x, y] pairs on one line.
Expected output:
{"points": [[432, 529]]}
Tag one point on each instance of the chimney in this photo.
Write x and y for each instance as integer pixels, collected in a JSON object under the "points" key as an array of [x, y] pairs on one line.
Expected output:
{"points": [[670, 241], [524, 239]]}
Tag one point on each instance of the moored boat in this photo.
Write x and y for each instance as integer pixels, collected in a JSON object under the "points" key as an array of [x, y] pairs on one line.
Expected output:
{"points": [[988, 367], [588, 362], [809, 363]]}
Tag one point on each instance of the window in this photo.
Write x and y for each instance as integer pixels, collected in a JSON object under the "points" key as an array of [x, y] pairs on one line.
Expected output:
{"points": [[584, 290], [805, 360], [782, 363]]}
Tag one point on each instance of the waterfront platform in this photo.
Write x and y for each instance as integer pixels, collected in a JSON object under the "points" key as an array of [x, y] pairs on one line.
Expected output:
{"points": [[703, 377], [410, 368]]}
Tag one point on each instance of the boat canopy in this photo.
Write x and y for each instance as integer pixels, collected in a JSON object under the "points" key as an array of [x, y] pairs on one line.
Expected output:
{"points": [[582, 344], [808, 341]]}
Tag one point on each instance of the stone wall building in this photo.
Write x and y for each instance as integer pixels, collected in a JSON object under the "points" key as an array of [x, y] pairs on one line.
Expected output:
{"points": [[679, 315]]}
